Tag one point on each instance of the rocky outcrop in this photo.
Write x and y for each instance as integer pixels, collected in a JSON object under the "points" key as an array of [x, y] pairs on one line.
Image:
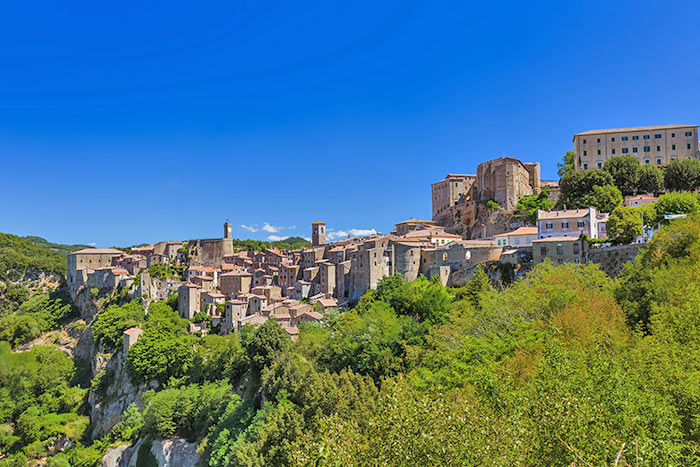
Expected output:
{"points": [[168, 453], [107, 406]]}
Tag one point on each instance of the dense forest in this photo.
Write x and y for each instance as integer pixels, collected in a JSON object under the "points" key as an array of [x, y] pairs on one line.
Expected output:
{"points": [[563, 367]]}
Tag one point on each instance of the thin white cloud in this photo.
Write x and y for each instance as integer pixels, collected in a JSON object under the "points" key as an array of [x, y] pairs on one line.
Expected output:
{"points": [[271, 228], [92, 244], [249, 228], [308, 239], [267, 227], [277, 238], [336, 234]]}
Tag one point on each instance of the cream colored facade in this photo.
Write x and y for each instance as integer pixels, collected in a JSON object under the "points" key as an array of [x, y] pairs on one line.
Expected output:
{"points": [[652, 145]]}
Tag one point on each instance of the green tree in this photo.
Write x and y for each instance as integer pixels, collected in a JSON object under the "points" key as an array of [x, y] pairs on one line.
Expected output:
{"points": [[651, 179], [625, 224], [566, 166], [604, 198], [682, 174], [576, 187], [677, 203], [624, 170], [160, 354], [266, 343], [475, 287], [110, 324], [529, 205]]}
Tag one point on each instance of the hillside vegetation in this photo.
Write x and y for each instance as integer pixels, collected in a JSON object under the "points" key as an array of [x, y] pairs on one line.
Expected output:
{"points": [[564, 367]]}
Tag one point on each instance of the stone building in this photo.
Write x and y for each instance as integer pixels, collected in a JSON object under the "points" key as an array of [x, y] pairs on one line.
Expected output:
{"points": [[235, 282], [454, 189], [402, 228], [505, 180], [560, 249], [407, 258], [189, 300], [651, 145], [318, 233], [88, 260], [131, 336]]}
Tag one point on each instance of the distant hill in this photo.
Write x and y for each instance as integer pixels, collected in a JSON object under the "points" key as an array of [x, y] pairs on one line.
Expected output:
{"points": [[20, 253], [57, 247], [291, 243]]}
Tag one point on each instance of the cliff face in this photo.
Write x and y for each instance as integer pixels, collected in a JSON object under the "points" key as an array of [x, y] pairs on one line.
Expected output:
{"points": [[174, 452], [109, 402]]}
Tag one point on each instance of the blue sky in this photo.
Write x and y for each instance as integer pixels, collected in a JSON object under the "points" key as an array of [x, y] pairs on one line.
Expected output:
{"points": [[144, 121]]}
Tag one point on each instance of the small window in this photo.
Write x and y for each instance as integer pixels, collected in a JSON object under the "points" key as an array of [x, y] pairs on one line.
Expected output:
{"points": [[564, 225], [646, 161], [646, 136], [658, 161], [647, 149], [673, 147], [625, 150], [688, 133], [575, 248], [624, 138], [658, 148], [548, 225], [600, 165], [560, 249], [585, 166], [543, 250], [673, 135], [612, 139], [613, 150], [585, 153], [581, 224], [584, 141], [657, 136], [688, 145], [634, 149], [599, 140], [635, 138], [599, 152], [517, 241]]}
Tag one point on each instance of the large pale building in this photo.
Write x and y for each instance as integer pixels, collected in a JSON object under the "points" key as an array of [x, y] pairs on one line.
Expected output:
{"points": [[652, 145]]}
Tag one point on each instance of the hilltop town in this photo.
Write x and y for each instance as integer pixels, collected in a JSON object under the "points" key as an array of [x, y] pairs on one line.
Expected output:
{"points": [[521, 303], [479, 222]]}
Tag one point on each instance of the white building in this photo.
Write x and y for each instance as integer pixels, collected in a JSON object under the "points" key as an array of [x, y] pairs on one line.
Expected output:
{"points": [[567, 223], [518, 238]]}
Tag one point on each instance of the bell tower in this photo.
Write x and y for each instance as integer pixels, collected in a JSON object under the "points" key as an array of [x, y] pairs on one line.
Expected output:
{"points": [[318, 233], [227, 230]]}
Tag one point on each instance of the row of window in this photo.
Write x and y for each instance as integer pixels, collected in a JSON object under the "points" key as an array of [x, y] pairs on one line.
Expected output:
{"points": [[636, 137], [636, 149], [560, 249], [564, 225], [659, 161]]}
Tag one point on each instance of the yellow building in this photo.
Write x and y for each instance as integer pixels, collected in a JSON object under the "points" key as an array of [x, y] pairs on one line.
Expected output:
{"points": [[652, 145]]}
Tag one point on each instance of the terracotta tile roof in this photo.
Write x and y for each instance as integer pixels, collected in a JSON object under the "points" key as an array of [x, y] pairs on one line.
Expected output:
{"points": [[636, 128], [563, 214], [318, 223], [99, 251], [132, 331], [328, 302], [314, 314], [413, 220], [520, 231]]}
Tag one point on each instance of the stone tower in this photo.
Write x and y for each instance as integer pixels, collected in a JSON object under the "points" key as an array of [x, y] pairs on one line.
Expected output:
{"points": [[227, 230], [318, 233]]}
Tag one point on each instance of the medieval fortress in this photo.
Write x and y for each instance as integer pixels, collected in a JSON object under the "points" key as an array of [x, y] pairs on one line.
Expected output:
{"points": [[472, 224]]}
